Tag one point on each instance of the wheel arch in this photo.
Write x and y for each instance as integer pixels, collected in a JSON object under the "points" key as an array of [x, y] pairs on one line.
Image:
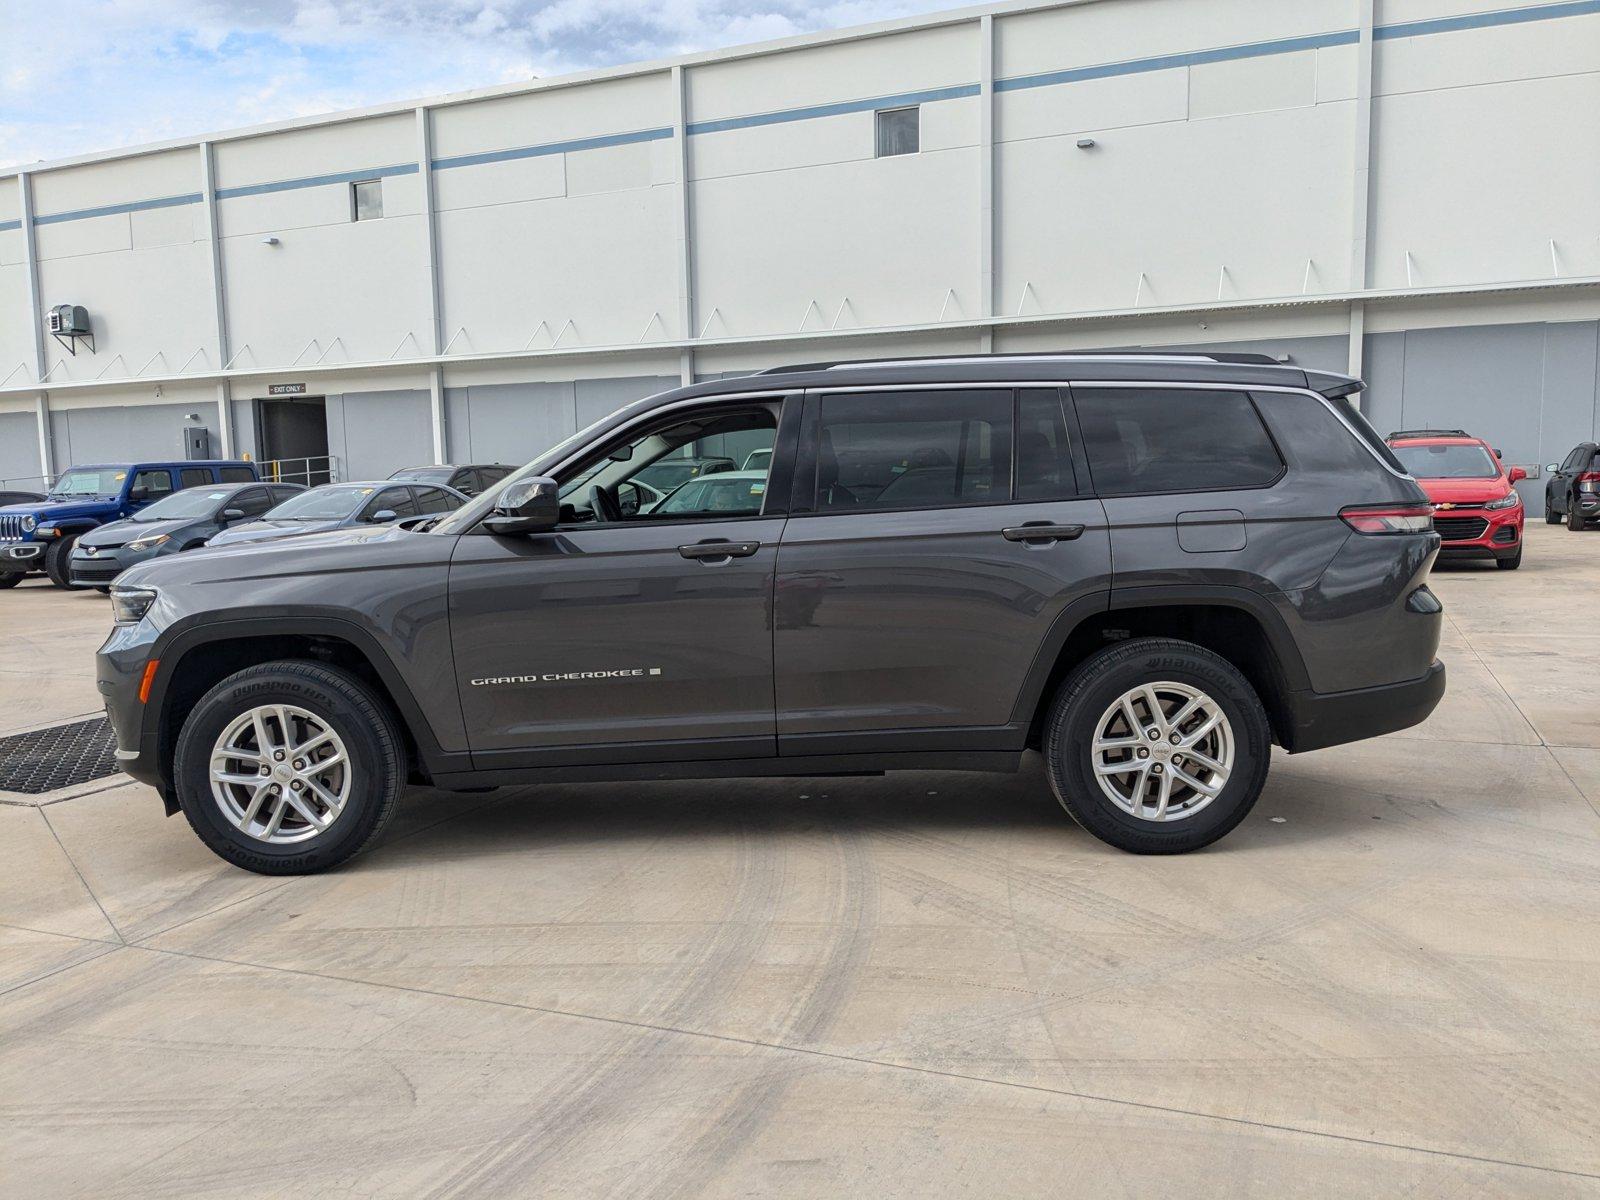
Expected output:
{"points": [[1238, 624]]}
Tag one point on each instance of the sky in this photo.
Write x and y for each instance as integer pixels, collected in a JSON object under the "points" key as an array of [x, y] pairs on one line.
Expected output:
{"points": [[84, 75]]}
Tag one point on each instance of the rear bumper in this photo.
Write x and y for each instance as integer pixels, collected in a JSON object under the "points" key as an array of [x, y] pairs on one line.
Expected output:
{"points": [[1321, 719]]}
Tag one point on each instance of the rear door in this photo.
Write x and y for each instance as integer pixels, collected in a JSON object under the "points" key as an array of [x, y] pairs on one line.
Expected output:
{"points": [[936, 536]]}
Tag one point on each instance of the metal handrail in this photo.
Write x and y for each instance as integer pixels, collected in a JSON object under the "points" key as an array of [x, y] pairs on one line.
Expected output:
{"points": [[311, 471]]}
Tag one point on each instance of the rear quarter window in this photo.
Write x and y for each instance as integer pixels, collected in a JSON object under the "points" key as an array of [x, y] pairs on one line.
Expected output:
{"points": [[1149, 441]]}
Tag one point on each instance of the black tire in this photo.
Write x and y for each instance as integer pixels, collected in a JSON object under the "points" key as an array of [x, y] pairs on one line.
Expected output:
{"points": [[10, 579], [343, 704], [1550, 515], [104, 591], [1510, 562], [1095, 685], [1574, 515], [58, 561]]}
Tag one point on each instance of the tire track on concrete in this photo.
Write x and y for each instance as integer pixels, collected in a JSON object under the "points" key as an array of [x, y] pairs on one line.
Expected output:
{"points": [[603, 1089]]}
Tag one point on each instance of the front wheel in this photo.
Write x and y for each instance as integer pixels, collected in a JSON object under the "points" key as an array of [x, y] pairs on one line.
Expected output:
{"points": [[289, 768], [1510, 562], [1574, 515], [58, 561], [1550, 515], [9, 579], [1157, 746]]}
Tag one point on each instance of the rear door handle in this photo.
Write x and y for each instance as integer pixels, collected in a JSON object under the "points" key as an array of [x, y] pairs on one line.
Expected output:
{"points": [[719, 551], [1041, 533]]}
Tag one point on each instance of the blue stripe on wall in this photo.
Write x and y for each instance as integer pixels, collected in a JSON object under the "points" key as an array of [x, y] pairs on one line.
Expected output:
{"points": [[7, 226], [111, 210], [290, 185], [957, 92], [1486, 20], [1168, 62], [549, 148], [1136, 66]]}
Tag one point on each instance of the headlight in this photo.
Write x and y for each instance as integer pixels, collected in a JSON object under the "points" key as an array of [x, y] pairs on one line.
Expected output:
{"points": [[147, 543], [29, 524], [1510, 501], [129, 604]]}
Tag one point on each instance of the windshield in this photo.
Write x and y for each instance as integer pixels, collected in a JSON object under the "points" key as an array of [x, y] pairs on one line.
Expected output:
{"points": [[425, 474], [94, 481], [1447, 460], [736, 495], [671, 472], [330, 503], [197, 502]]}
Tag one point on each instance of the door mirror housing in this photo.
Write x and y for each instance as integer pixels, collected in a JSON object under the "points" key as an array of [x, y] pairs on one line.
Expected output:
{"points": [[233, 514], [1517, 475], [138, 495], [383, 516], [527, 506], [1552, 468]]}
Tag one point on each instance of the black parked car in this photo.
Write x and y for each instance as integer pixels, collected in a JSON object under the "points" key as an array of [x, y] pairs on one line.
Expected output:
{"points": [[1572, 489], [15, 497], [468, 480], [183, 521], [1147, 568], [341, 505]]}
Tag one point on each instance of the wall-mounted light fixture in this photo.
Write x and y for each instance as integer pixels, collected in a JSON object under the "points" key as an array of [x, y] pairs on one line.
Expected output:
{"points": [[269, 241], [1086, 143]]}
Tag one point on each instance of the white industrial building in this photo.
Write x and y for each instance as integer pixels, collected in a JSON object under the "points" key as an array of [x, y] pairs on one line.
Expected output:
{"points": [[1409, 189]]}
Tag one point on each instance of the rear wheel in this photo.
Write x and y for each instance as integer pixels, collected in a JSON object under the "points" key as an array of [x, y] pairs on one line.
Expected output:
{"points": [[58, 561], [1157, 746], [289, 768]]}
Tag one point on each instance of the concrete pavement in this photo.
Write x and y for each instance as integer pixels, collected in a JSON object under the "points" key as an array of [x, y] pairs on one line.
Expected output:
{"points": [[1387, 980]]}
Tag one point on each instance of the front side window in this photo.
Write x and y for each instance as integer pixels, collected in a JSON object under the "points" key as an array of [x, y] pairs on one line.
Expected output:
{"points": [[366, 199], [252, 502], [665, 473], [1447, 461], [1150, 441], [395, 500], [934, 449], [154, 483], [435, 500], [899, 131]]}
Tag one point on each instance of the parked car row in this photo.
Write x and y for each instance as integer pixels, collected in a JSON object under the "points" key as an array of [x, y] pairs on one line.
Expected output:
{"points": [[99, 520]]}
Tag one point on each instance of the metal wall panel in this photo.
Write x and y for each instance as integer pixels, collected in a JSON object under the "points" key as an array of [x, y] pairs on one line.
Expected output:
{"points": [[117, 435], [374, 434], [19, 450]]}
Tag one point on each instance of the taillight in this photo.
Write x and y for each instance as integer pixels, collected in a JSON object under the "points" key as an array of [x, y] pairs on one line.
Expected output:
{"points": [[1589, 481], [1388, 518]]}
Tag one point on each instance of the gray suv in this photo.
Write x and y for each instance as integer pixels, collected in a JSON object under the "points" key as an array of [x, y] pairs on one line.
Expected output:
{"points": [[1147, 568]]}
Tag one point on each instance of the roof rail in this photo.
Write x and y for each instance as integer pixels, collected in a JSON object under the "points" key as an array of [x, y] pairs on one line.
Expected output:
{"points": [[1236, 358], [1415, 433]]}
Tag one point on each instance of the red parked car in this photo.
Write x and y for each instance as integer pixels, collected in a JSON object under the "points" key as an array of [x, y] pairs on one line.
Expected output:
{"points": [[1476, 510]]}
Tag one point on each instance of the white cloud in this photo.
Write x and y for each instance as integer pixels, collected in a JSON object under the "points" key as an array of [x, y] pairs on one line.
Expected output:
{"points": [[119, 72]]}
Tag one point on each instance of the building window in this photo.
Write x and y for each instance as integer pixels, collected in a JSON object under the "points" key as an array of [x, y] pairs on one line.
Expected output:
{"points": [[898, 131], [367, 199]]}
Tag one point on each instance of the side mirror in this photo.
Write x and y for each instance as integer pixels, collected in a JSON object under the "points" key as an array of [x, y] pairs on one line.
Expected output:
{"points": [[527, 506], [1499, 454], [1517, 475], [233, 514], [630, 498], [383, 516], [138, 495], [1552, 468]]}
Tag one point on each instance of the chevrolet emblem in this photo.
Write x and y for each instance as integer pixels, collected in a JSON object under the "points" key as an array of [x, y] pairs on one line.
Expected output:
{"points": [[1442, 507]]}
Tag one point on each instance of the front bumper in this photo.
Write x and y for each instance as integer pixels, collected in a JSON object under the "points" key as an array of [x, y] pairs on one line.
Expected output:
{"points": [[21, 556], [1321, 719], [119, 672], [101, 568], [1479, 532]]}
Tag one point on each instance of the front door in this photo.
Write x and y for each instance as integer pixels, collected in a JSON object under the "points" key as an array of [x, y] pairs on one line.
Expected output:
{"points": [[640, 630], [946, 534]]}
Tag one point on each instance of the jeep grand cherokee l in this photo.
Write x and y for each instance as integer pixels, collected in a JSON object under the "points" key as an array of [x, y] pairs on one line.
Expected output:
{"points": [[1149, 569]]}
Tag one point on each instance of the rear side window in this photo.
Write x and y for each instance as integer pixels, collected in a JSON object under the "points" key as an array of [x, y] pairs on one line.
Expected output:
{"points": [[252, 502], [190, 477], [1368, 434], [236, 475], [1147, 441], [913, 450], [433, 500], [1044, 457]]}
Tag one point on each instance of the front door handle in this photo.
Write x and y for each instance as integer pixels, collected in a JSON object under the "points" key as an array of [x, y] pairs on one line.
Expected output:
{"points": [[1041, 533], [718, 551]]}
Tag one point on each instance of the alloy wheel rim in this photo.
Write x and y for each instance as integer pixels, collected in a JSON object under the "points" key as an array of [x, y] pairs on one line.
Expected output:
{"points": [[1163, 751], [280, 774]]}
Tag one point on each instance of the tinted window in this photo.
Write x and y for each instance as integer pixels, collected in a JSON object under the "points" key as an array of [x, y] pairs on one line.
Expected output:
{"points": [[898, 131], [1366, 432], [236, 475], [194, 477], [493, 475], [252, 502], [397, 500], [914, 449], [156, 483], [1044, 457], [1154, 440], [432, 500]]}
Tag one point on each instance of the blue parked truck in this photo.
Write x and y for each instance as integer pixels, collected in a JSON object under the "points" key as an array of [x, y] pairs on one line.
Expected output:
{"points": [[39, 536]]}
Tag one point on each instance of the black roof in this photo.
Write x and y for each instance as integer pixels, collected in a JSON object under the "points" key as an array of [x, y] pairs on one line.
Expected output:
{"points": [[1154, 366]]}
